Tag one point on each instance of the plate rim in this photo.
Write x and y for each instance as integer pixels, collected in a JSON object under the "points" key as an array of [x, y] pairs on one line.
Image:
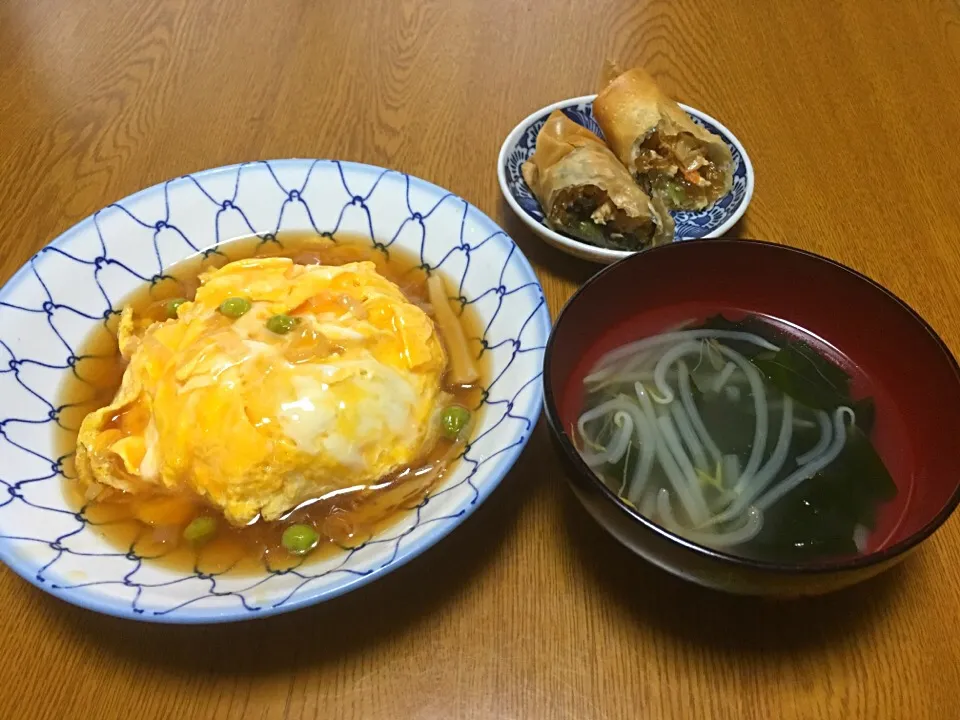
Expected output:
{"points": [[583, 250], [193, 616]]}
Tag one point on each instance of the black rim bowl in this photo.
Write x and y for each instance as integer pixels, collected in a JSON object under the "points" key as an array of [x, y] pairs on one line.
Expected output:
{"points": [[695, 562]]}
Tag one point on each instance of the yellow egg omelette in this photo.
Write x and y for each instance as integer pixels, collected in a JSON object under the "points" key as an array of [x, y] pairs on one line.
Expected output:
{"points": [[255, 420]]}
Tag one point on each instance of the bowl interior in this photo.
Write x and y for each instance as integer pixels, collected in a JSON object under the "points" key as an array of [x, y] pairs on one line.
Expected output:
{"points": [[914, 379]]}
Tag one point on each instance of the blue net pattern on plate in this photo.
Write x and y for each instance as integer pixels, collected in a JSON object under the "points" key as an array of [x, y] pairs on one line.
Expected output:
{"points": [[30, 373], [689, 224]]}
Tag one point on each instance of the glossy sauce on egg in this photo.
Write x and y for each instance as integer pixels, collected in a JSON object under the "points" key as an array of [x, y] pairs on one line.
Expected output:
{"points": [[152, 525]]}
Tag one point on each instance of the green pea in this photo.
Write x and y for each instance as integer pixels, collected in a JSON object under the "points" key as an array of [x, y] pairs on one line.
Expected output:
{"points": [[235, 307], [300, 539], [454, 420], [281, 324], [200, 530], [173, 305]]}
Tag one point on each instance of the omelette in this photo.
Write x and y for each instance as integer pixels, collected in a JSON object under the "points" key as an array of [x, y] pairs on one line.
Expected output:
{"points": [[278, 383]]}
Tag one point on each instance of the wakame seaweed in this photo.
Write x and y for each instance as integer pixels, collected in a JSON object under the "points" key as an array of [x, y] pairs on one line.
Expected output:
{"points": [[749, 324], [797, 370], [818, 518], [709, 426]]}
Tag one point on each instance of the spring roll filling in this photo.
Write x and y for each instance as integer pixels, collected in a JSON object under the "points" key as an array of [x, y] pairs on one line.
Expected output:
{"points": [[677, 169], [586, 212]]}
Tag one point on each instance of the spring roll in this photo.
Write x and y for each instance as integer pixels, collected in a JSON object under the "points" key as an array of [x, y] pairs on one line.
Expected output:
{"points": [[586, 192], [673, 159]]}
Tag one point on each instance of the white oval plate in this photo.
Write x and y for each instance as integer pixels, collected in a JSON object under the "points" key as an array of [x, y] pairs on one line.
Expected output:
{"points": [[51, 304], [711, 222]]}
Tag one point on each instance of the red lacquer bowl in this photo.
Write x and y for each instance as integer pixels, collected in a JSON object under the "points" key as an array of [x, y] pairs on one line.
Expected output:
{"points": [[889, 350]]}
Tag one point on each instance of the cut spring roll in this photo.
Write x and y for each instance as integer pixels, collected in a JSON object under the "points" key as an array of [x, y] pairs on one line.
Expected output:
{"points": [[674, 159], [587, 193]]}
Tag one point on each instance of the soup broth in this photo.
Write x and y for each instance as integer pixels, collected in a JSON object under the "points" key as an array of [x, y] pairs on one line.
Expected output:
{"points": [[742, 434], [151, 526]]}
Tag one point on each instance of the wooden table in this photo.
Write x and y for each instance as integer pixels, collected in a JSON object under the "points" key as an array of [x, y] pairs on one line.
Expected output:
{"points": [[851, 113]]}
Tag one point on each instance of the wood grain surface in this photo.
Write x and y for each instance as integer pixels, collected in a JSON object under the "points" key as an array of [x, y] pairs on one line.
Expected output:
{"points": [[851, 114]]}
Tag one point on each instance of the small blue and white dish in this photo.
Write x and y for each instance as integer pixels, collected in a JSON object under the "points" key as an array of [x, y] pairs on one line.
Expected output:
{"points": [[520, 144], [81, 278]]}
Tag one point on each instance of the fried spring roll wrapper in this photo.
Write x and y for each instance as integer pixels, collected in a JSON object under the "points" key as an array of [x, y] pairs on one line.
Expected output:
{"points": [[586, 192], [660, 145]]}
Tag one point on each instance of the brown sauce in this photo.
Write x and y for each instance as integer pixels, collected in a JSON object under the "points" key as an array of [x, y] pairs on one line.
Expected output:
{"points": [[152, 525]]}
